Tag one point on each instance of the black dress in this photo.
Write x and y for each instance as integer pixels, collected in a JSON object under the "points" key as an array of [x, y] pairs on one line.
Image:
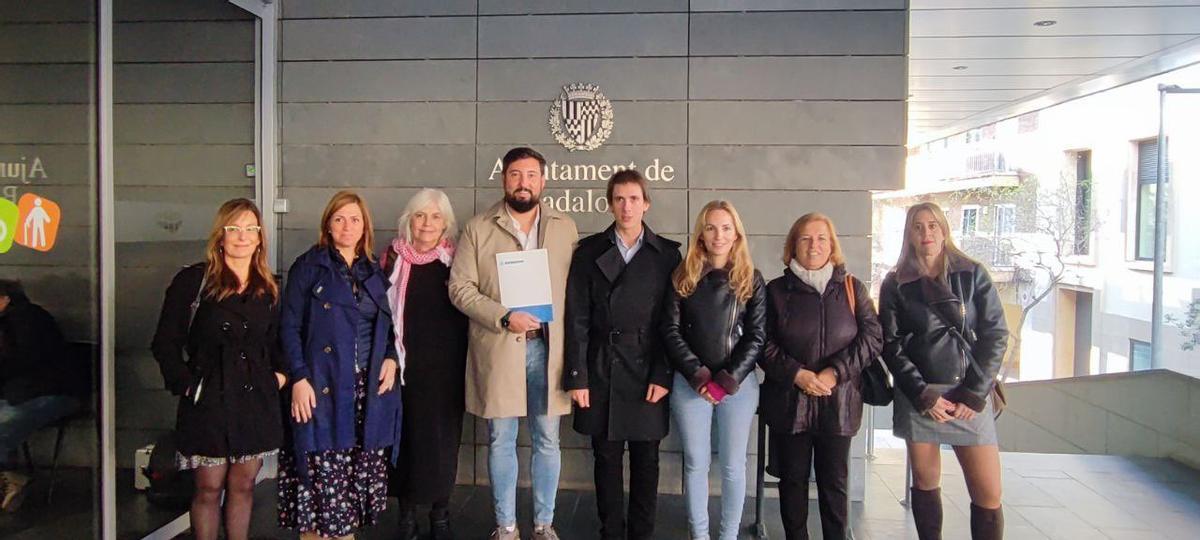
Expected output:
{"points": [[435, 343]]}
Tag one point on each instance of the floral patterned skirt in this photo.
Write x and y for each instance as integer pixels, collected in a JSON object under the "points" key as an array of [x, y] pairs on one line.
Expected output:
{"points": [[346, 489]]}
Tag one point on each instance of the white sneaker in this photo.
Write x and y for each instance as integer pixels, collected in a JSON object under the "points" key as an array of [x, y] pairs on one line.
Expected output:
{"points": [[506, 533]]}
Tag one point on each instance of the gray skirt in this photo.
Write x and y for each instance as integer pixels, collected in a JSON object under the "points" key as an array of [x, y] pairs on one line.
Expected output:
{"points": [[909, 424]]}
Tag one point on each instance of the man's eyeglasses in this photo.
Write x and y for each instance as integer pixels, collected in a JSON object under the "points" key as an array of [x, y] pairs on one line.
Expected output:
{"points": [[234, 229]]}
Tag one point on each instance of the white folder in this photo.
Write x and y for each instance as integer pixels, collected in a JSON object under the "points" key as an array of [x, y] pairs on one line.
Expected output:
{"points": [[525, 282]]}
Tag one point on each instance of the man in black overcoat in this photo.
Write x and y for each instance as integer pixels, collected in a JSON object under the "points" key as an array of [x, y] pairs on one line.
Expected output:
{"points": [[615, 368]]}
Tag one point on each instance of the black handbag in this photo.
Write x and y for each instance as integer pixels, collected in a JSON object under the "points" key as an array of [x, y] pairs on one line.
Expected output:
{"points": [[875, 383]]}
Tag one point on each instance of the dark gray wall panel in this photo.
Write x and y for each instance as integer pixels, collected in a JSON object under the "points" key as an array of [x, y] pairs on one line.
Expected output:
{"points": [[806, 123], [361, 39], [798, 5], [176, 10], [47, 11], [773, 212], [664, 166], [660, 122], [386, 205], [618, 78], [184, 124], [797, 167], [65, 164], [230, 82], [220, 41], [378, 123], [583, 36], [767, 252], [395, 80], [41, 124], [506, 7], [784, 78], [379, 165], [799, 33], [334, 9], [43, 43], [46, 83], [183, 165], [73, 243]]}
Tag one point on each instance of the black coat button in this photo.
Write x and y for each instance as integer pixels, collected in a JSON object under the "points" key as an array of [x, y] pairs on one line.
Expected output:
{"points": [[328, 349], [225, 326], [246, 325], [249, 387], [243, 355]]}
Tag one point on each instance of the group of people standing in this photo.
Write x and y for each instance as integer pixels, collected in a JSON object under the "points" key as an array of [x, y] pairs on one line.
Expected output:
{"points": [[358, 372]]}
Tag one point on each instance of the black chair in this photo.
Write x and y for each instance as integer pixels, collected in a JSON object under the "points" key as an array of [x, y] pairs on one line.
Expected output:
{"points": [[80, 359]]}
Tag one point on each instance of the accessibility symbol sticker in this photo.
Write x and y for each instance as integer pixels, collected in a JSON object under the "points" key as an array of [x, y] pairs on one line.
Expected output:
{"points": [[38, 226], [8, 224]]}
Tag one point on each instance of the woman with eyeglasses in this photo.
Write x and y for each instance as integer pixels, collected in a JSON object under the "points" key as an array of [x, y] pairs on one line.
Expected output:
{"points": [[217, 347]]}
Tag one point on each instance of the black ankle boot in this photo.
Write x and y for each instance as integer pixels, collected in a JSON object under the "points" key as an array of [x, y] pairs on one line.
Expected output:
{"points": [[927, 512], [987, 523], [439, 525], [408, 525]]}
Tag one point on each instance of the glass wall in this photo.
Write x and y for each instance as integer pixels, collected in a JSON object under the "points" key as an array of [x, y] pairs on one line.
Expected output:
{"points": [[183, 90], [49, 303]]}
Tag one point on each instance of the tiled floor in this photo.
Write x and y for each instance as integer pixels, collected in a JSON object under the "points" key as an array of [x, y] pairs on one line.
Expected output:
{"points": [[1046, 496]]}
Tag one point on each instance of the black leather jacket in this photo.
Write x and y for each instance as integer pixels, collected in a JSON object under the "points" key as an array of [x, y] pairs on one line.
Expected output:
{"points": [[710, 335], [921, 317]]}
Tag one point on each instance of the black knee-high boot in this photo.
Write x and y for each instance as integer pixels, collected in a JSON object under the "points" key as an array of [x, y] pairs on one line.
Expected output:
{"points": [[927, 512], [987, 523]]}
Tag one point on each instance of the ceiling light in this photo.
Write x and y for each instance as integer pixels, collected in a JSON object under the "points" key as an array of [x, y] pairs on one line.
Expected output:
{"points": [[1045, 23], [959, 68]]}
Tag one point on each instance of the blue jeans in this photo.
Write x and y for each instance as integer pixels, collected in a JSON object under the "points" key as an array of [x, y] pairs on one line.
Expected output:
{"points": [[693, 417], [18, 422], [502, 447]]}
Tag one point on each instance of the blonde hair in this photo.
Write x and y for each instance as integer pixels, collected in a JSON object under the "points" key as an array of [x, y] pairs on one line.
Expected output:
{"points": [[366, 244], [793, 237], [220, 281], [420, 200], [741, 273], [909, 258]]}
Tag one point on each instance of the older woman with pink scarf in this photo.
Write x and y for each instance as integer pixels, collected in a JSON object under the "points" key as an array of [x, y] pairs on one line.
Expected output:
{"points": [[431, 341]]}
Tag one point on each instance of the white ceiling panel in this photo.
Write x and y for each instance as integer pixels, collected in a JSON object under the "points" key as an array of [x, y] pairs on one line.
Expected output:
{"points": [[1042, 46], [972, 62], [937, 115], [1070, 22], [963, 106], [988, 82], [969, 95], [1012, 66]]}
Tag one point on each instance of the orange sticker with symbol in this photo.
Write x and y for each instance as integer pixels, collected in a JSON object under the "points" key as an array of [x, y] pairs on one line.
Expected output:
{"points": [[37, 224]]}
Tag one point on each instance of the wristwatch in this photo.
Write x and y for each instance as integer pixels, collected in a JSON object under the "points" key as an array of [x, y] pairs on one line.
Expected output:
{"points": [[504, 320]]}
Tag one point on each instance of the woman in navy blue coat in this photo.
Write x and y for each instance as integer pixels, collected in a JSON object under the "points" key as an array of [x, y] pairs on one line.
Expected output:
{"points": [[336, 332]]}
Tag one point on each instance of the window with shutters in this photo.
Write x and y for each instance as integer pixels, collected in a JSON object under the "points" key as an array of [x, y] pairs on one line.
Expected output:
{"points": [[1147, 176]]}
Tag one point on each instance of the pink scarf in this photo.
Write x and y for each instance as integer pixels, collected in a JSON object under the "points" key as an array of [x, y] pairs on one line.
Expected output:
{"points": [[405, 257]]}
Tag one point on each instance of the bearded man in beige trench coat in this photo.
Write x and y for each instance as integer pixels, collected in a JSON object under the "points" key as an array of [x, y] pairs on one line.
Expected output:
{"points": [[514, 361]]}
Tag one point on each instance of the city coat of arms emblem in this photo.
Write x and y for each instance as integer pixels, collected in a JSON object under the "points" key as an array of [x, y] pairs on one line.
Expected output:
{"points": [[581, 118]]}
